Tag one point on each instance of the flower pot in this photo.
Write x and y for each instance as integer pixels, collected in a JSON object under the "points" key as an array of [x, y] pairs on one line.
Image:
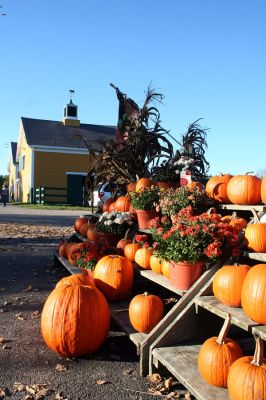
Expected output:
{"points": [[184, 274], [144, 216]]}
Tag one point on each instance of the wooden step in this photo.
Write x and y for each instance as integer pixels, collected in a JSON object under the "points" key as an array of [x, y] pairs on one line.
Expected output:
{"points": [[239, 318], [236, 207], [182, 362], [65, 263]]}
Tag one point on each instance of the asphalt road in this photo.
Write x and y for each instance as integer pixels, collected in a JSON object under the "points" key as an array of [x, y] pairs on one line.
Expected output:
{"points": [[27, 276]]}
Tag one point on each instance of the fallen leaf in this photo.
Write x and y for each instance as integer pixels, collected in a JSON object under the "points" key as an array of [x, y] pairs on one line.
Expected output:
{"points": [[28, 289], [6, 303], [187, 396], [6, 347], [19, 387], [101, 382], [60, 396], [3, 392], [35, 314], [168, 383], [61, 367], [154, 378], [43, 393], [128, 371], [29, 397], [173, 395], [3, 340]]}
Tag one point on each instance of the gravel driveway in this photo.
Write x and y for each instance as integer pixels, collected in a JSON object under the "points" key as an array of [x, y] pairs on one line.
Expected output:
{"points": [[28, 369]]}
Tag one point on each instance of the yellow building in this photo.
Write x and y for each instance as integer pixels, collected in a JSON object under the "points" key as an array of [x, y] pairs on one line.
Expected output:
{"points": [[55, 155]]}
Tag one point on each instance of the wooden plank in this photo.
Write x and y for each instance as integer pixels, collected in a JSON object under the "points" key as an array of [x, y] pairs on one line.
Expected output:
{"points": [[119, 313], [73, 270], [158, 278], [239, 207], [255, 256], [181, 361], [211, 304]]}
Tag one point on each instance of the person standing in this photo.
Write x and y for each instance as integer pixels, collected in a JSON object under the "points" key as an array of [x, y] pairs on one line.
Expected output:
{"points": [[4, 194]]}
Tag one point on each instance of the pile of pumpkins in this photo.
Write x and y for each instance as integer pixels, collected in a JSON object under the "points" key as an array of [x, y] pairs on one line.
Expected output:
{"points": [[76, 316], [220, 359]]}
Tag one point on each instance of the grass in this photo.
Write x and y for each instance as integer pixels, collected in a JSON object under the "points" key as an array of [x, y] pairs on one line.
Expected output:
{"points": [[53, 207]]}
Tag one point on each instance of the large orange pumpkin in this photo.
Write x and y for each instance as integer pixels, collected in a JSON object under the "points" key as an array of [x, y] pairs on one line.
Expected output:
{"points": [[79, 222], [145, 311], [130, 251], [113, 275], [216, 356], [253, 295], [255, 235], [156, 264], [107, 203], [263, 190], [227, 284], [143, 256], [143, 183], [75, 320], [247, 376], [216, 188], [244, 189], [122, 204], [77, 279]]}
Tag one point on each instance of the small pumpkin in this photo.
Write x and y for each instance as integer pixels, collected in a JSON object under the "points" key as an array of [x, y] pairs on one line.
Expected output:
{"points": [[227, 284], [131, 187], [62, 249], [130, 250], [244, 189], [73, 249], [143, 183], [247, 376], [75, 320], [145, 311], [195, 184], [122, 242], [83, 229], [216, 188], [113, 275], [92, 233], [253, 294], [238, 222], [79, 222], [143, 256], [156, 264], [255, 236], [122, 204], [107, 203], [216, 356]]}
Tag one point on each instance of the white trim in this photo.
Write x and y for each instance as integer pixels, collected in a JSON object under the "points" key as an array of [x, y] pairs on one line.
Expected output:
{"points": [[32, 169], [76, 173], [54, 149]]}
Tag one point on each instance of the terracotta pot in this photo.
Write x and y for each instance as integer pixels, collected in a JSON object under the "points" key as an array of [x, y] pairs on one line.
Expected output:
{"points": [[144, 216], [184, 274]]}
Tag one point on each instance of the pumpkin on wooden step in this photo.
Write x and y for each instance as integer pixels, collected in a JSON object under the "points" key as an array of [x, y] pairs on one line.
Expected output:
{"points": [[143, 256], [247, 376], [79, 222], [156, 264], [75, 320], [216, 356], [244, 190], [130, 250], [255, 236], [77, 279], [145, 311], [216, 188]]}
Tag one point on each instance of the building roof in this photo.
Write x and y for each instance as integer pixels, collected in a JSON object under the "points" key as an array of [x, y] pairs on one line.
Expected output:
{"points": [[54, 133], [14, 152]]}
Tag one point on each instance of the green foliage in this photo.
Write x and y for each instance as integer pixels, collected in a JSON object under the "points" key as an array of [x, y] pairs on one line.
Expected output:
{"points": [[145, 199]]}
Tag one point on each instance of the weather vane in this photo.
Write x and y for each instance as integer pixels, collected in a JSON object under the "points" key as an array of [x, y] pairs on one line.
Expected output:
{"points": [[71, 94]]}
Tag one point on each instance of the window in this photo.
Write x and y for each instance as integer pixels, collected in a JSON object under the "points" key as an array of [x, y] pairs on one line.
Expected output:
{"points": [[21, 163]]}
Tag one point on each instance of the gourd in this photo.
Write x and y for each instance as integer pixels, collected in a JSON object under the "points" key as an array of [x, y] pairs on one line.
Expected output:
{"points": [[145, 311], [227, 284], [247, 376], [75, 320], [113, 275], [216, 356]]}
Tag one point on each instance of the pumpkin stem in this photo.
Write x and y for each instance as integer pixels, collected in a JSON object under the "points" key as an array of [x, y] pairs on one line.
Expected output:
{"points": [[234, 214], [145, 294], [259, 352], [250, 172], [223, 332], [126, 234]]}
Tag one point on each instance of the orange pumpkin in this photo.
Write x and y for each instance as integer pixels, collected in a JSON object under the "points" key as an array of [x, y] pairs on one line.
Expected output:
{"points": [[156, 264], [112, 207], [227, 284], [72, 250], [79, 222], [77, 279], [122, 242], [122, 204], [75, 320], [143, 256], [107, 203], [68, 247], [247, 376], [113, 275], [131, 187], [216, 188], [244, 189], [83, 229], [253, 295], [130, 251], [195, 184], [143, 183], [145, 311], [216, 356], [92, 233], [62, 249], [255, 236], [238, 222], [263, 190], [166, 269]]}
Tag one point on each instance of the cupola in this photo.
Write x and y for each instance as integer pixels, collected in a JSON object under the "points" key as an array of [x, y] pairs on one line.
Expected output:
{"points": [[71, 112]]}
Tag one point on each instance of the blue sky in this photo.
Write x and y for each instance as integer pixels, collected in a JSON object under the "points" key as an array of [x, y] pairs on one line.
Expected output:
{"points": [[207, 57]]}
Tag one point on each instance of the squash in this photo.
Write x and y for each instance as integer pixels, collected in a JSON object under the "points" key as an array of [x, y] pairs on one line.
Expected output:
{"points": [[75, 320], [216, 356], [113, 275], [145, 311], [143, 256], [247, 376], [195, 184], [62, 249], [83, 229], [227, 284], [244, 189], [216, 188], [253, 295]]}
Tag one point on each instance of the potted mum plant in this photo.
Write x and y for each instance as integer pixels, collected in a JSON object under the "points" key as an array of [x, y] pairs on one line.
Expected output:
{"points": [[191, 242], [144, 203], [112, 226]]}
